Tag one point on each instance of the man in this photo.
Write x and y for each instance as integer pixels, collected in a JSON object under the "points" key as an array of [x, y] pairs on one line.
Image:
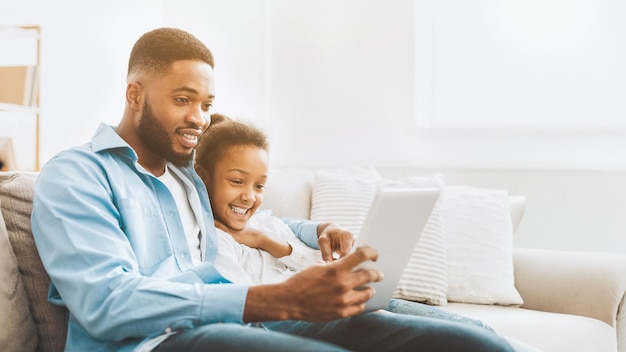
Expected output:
{"points": [[130, 243]]}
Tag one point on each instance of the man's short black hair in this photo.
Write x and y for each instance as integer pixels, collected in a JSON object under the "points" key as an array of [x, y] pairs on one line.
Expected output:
{"points": [[156, 50]]}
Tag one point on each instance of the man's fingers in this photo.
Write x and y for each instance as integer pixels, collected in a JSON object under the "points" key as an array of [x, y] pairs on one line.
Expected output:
{"points": [[344, 249], [366, 276], [359, 256], [360, 276], [361, 295]]}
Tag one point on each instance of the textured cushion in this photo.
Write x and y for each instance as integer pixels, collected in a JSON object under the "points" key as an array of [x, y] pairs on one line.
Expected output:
{"points": [[16, 195], [17, 329], [345, 198], [425, 278], [479, 235]]}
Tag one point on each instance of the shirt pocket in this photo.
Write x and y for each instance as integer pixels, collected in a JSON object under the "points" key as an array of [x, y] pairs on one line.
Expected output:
{"points": [[147, 233]]}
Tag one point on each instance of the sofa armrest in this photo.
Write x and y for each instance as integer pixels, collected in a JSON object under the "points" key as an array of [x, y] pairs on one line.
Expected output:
{"points": [[582, 283]]}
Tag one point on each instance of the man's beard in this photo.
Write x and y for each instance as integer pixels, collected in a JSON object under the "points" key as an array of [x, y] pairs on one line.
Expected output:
{"points": [[154, 135]]}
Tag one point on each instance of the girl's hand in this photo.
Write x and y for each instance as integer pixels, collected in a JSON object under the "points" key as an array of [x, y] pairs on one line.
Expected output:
{"points": [[334, 240]]}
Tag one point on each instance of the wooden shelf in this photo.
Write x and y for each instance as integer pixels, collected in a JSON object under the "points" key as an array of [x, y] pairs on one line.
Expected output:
{"points": [[19, 90], [18, 107]]}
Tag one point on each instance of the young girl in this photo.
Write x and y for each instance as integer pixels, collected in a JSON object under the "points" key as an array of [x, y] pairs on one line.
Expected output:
{"points": [[232, 160]]}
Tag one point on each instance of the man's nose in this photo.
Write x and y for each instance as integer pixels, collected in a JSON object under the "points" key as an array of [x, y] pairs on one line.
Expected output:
{"points": [[199, 117]]}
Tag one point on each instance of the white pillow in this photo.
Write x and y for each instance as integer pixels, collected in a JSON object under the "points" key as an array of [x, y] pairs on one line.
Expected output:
{"points": [[345, 198], [479, 235]]}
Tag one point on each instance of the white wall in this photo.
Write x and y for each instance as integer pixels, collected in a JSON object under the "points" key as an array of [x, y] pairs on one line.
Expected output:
{"points": [[581, 210], [379, 82]]}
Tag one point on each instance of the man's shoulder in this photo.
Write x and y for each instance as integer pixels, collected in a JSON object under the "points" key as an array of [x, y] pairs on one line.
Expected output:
{"points": [[81, 165], [72, 159], [105, 147]]}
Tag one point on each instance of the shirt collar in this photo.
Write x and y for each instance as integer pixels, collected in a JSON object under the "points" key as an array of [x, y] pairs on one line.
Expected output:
{"points": [[106, 138]]}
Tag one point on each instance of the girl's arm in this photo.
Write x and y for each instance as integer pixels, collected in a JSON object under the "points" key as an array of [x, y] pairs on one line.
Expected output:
{"points": [[257, 239]]}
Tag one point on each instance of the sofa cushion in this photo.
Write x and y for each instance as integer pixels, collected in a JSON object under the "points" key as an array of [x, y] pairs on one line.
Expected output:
{"points": [[17, 329], [345, 198], [543, 330], [16, 196]]}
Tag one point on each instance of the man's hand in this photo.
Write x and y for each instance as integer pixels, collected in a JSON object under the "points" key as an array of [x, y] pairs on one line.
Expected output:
{"points": [[319, 293], [334, 239]]}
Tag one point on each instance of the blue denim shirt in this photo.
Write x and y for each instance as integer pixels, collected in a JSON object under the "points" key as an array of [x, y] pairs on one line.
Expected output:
{"points": [[110, 237]]}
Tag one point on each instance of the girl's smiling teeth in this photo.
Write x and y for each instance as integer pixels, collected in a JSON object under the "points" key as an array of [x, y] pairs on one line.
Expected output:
{"points": [[238, 210]]}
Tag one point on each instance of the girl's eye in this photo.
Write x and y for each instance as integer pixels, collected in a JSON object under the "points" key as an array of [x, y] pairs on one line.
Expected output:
{"points": [[236, 182], [261, 187]]}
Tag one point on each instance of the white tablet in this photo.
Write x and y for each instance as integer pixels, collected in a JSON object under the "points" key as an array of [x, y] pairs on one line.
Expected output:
{"points": [[393, 226]]}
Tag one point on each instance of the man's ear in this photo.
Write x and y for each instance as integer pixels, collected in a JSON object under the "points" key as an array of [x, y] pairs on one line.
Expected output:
{"points": [[134, 95]]}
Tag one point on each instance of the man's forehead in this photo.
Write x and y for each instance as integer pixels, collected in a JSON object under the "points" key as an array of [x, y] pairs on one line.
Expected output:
{"points": [[193, 78]]}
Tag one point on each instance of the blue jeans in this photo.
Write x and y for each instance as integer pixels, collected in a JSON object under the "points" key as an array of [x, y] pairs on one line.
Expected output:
{"points": [[417, 328], [402, 306]]}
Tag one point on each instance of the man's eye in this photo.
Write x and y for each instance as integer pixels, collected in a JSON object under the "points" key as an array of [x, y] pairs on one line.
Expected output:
{"points": [[182, 100], [261, 187], [207, 106]]}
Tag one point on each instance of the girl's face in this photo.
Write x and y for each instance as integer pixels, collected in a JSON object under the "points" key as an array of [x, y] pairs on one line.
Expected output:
{"points": [[236, 185]]}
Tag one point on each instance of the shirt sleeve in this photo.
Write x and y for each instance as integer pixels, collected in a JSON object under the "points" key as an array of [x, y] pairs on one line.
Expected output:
{"points": [[305, 230], [93, 264]]}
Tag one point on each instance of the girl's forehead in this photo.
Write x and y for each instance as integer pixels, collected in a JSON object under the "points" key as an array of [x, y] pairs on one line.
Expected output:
{"points": [[245, 157]]}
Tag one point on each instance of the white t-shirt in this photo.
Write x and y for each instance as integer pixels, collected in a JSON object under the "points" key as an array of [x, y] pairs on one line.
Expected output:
{"points": [[187, 217], [242, 264]]}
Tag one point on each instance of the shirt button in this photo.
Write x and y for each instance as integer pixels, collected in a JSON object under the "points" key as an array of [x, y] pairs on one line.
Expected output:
{"points": [[168, 330]]}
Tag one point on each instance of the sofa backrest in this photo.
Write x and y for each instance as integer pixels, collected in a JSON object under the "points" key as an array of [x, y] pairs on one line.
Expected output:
{"points": [[288, 193], [16, 196]]}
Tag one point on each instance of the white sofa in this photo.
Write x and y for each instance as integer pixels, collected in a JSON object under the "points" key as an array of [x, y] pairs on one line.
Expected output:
{"points": [[572, 301]]}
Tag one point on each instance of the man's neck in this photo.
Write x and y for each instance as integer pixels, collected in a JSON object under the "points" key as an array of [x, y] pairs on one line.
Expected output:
{"points": [[153, 163]]}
